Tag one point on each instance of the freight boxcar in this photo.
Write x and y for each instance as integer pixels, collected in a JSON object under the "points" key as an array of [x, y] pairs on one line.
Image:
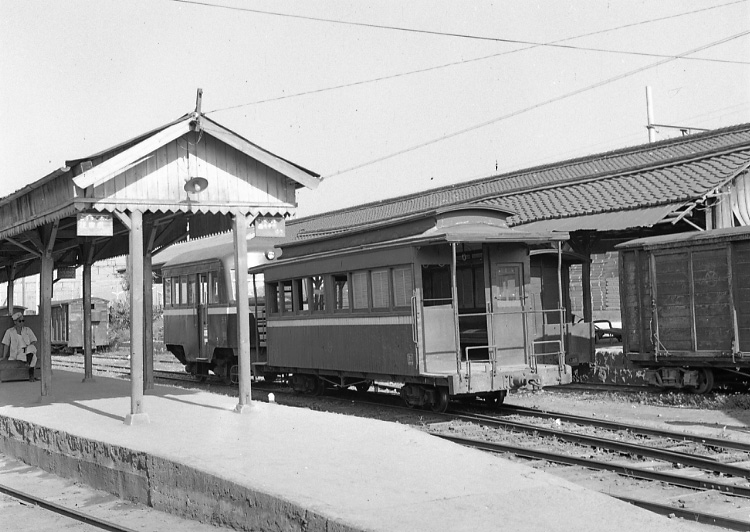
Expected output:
{"points": [[439, 303], [200, 311], [686, 307], [67, 324]]}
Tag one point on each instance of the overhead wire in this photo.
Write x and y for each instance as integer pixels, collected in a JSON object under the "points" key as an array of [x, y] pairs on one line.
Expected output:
{"points": [[465, 61], [554, 44], [537, 105]]}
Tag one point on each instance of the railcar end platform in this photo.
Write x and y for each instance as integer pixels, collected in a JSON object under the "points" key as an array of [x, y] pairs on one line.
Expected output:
{"points": [[284, 468]]}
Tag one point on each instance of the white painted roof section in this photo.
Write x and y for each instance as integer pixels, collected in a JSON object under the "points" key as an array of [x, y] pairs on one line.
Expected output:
{"points": [[132, 156], [269, 159]]}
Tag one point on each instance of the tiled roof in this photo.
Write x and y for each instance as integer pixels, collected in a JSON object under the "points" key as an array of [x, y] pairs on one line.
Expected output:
{"points": [[674, 170]]}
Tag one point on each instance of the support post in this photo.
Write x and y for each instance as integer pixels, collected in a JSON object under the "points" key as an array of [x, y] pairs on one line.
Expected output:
{"points": [[148, 322], [45, 334], [88, 366], [239, 227], [11, 271], [137, 416]]}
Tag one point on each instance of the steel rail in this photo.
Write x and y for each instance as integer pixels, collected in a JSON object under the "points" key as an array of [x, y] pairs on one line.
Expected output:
{"points": [[632, 448], [635, 472], [611, 425], [688, 515], [62, 510]]}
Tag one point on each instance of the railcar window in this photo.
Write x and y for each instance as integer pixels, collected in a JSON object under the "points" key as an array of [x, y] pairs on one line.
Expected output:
{"points": [[319, 293], [183, 290], [286, 297], [273, 298], [381, 296], [341, 291], [167, 284], [436, 280], [403, 286], [213, 280], [192, 290], [301, 295], [359, 290], [202, 288]]}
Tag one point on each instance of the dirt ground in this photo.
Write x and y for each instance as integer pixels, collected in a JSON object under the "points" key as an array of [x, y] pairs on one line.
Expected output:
{"points": [[714, 415]]}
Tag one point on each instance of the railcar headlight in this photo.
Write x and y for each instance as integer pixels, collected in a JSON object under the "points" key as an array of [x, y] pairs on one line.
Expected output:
{"points": [[271, 254]]}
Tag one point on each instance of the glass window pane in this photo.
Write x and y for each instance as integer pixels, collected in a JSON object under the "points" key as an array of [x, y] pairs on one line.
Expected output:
{"points": [[341, 291], [319, 294], [203, 288], [403, 286], [213, 296], [301, 292], [167, 291], [359, 289], [183, 290], [381, 297], [287, 296], [272, 301]]}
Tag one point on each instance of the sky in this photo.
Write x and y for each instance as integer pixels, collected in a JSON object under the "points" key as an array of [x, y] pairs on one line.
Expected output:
{"points": [[381, 98]]}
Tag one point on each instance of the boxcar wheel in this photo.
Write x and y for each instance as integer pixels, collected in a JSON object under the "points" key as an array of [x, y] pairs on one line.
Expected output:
{"points": [[269, 376], [441, 400], [363, 386], [705, 381]]}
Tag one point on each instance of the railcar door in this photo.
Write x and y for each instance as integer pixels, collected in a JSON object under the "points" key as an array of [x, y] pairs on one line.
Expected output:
{"points": [[202, 311], [506, 318]]}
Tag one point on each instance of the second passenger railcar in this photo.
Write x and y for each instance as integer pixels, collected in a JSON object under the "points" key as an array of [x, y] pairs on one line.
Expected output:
{"points": [[200, 311], [440, 303]]}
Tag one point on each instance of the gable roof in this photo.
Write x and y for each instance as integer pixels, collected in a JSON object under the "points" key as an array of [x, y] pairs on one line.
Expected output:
{"points": [[669, 172]]}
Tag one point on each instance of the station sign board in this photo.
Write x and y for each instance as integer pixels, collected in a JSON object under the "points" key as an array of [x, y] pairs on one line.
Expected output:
{"points": [[66, 272], [94, 224]]}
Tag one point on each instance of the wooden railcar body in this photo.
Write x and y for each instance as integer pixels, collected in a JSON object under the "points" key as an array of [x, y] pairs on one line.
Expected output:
{"points": [[440, 303], [200, 311], [686, 306], [67, 324]]}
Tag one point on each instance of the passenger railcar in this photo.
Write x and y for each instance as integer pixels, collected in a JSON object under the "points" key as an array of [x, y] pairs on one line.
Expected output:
{"points": [[441, 303], [200, 311], [67, 324], [686, 307]]}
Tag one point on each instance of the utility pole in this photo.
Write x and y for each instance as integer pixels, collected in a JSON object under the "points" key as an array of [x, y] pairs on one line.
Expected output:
{"points": [[650, 115], [651, 126]]}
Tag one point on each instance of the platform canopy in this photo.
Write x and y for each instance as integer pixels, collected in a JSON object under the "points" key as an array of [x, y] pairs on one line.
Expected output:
{"points": [[186, 177], [191, 177]]}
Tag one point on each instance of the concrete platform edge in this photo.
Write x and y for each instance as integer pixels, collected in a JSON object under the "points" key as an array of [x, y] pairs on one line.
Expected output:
{"points": [[163, 484]]}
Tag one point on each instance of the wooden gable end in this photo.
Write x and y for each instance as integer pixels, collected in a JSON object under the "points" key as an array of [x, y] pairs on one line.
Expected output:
{"points": [[235, 180], [47, 200]]}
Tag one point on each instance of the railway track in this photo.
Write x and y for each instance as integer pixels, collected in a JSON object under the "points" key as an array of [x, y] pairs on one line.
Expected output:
{"points": [[712, 465], [71, 513]]}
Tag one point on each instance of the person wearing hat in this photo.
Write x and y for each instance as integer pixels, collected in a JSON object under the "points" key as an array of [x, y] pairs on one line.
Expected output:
{"points": [[19, 343]]}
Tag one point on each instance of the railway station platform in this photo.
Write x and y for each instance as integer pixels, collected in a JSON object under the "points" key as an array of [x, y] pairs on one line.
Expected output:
{"points": [[289, 469]]}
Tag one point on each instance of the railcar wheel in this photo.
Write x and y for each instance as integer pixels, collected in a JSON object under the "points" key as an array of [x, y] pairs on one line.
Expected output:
{"points": [[705, 381], [441, 400], [363, 386], [496, 400], [318, 387], [270, 376]]}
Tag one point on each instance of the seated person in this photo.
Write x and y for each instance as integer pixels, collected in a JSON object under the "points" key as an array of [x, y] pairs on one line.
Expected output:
{"points": [[19, 344]]}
